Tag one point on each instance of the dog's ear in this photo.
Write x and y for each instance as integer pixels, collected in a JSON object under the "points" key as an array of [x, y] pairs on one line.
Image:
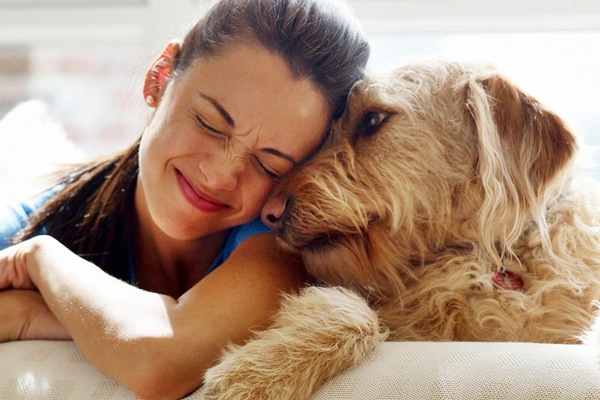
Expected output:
{"points": [[532, 141], [523, 151]]}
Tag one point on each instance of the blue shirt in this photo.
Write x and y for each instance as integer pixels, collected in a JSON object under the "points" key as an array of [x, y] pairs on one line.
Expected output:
{"points": [[14, 218]]}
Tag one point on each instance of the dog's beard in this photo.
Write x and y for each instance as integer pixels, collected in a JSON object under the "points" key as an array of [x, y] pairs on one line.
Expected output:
{"points": [[312, 234], [339, 261]]}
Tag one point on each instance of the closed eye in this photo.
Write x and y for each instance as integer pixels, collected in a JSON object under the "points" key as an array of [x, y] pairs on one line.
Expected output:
{"points": [[209, 129], [262, 168]]}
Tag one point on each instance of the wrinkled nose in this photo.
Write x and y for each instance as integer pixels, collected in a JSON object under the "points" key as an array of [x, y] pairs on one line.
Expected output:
{"points": [[221, 174], [274, 210]]}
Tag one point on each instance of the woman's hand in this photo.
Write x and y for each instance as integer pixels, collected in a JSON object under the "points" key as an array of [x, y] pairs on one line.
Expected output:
{"points": [[25, 316], [24, 313], [13, 265]]}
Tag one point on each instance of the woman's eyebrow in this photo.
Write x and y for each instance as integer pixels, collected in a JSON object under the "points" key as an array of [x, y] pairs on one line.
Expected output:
{"points": [[231, 123], [220, 109], [278, 153]]}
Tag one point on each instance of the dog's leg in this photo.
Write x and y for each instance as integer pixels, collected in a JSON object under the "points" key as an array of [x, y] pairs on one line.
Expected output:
{"points": [[314, 336]]}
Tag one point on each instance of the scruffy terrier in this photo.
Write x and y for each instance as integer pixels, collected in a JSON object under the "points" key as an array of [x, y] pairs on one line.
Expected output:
{"points": [[450, 202]]}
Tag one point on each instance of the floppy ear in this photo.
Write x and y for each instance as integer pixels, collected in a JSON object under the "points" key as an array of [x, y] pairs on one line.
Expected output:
{"points": [[537, 144], [532, 141], [523, 150]]}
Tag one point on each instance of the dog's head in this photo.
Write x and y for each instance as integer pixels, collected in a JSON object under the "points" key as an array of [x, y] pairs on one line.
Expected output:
{"points": [[430, 157]]}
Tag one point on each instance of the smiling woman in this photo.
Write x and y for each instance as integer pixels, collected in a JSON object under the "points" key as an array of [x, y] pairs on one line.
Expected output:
{"points": [[154, 258]]}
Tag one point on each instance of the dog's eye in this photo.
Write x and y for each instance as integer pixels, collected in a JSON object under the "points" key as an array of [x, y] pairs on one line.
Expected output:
{"points": [[371, 122]]}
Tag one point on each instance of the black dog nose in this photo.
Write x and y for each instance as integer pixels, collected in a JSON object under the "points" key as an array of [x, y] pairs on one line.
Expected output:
{"points": [[271, 220]]}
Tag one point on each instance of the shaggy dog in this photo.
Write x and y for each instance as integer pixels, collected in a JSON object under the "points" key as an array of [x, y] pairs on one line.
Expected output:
{"points": [[449, 200]]}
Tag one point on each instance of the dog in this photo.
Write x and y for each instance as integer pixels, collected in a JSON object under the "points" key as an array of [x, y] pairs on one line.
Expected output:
{"points": [[446, 205]]}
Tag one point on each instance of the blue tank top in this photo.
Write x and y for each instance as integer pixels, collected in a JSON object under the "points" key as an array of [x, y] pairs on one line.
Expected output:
{"points": [[13, 218]]}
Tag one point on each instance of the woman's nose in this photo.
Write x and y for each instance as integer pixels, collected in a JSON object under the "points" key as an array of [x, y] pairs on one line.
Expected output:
{"points": [[222, 174]]}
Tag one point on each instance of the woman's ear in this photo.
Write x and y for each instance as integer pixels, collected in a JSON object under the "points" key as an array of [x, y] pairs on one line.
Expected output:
{"points": [[157, 74]]}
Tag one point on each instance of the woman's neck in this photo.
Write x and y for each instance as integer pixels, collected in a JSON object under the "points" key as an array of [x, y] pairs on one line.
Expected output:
{"points": [[166, 265]]}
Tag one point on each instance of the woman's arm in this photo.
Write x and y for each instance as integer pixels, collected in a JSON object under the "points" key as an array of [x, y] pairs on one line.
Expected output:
{"points": [[25, 316], [157, 346]]}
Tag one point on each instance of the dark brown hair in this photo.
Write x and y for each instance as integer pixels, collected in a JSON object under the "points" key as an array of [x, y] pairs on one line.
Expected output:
{"points": [[319, 39]]}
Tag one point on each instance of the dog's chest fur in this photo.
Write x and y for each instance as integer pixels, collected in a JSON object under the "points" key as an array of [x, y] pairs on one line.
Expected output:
{"points": [[454, 296]]}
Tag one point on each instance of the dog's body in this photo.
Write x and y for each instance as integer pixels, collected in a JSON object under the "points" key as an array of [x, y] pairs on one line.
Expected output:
{"points": [[450, 201]]}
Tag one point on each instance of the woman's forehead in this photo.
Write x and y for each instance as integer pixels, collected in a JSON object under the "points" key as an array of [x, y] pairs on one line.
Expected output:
{"points": [[256, 91]]}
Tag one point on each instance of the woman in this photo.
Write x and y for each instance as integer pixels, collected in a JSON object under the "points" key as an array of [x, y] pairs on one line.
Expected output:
{"points": [[130, 240]]}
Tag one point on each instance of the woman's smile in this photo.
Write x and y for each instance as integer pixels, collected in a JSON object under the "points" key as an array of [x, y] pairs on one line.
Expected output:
{"points": [[197, 198]]}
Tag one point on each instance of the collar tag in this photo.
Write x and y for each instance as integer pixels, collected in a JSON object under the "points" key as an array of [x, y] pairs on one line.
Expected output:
{"points": [[507, 280]]}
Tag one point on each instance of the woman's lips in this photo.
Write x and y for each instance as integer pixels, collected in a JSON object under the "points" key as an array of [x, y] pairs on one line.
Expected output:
{"points": [[196, 198]]}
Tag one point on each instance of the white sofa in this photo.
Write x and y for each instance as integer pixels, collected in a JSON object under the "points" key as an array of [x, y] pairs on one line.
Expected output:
{"points": [[413, 370], [55, 370]]}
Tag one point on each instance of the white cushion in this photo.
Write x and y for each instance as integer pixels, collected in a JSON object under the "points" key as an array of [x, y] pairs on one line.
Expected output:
{"points": [[463, 370], [396, 370]]}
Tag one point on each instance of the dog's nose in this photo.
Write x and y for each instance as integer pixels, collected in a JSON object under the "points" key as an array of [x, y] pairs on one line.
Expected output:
{"points": [[273, 211]]}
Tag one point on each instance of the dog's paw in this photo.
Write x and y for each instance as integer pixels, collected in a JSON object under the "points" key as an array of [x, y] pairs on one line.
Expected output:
{"points": [[315, 336], [236, 378]]}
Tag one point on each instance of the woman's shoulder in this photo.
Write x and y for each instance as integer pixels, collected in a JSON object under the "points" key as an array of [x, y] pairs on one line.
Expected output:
{"points": [[236, 236], [243, 232], [14, 217]]}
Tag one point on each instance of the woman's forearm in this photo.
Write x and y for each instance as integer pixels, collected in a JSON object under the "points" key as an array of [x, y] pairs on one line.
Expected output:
{"points": [[92, 303], [124, 331]]}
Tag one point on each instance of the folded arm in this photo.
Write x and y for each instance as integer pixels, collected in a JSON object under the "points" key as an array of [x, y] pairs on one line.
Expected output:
{"points": [[154, 344]]}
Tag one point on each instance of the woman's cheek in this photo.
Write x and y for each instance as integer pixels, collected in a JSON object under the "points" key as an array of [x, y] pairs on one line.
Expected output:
{"points": [[259, 194]]}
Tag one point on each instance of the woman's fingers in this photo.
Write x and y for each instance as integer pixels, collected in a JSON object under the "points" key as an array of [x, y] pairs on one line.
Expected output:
{"points": [[25, 316], [13, 267]]}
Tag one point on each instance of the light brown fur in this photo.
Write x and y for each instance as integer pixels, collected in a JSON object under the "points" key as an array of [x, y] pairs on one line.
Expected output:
{"points": [[464, 176], [302, 349]]}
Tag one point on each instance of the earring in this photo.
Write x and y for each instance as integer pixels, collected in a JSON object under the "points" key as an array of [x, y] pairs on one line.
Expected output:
{"points": [[150, 100]]}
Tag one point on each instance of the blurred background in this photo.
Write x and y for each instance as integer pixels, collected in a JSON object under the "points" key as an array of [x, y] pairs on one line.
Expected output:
{"points": [[87, 58]]}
